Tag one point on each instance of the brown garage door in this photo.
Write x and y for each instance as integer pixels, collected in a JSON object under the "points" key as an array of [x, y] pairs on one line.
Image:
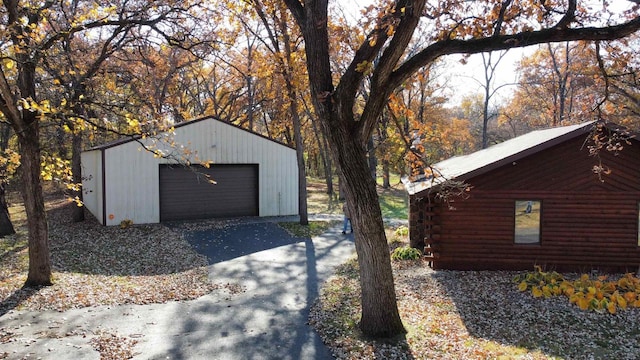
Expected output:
{"points": [[186, 194]]}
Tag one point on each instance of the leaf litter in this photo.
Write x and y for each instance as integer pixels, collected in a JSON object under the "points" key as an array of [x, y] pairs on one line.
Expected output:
{"points": [[97, 265], [470, 315]]}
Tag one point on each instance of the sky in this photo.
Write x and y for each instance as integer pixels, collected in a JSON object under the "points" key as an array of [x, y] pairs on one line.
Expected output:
{"points": [[464, 78]]}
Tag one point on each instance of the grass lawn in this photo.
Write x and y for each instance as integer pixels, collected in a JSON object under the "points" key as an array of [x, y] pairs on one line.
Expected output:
{"points": [[393, 201]]}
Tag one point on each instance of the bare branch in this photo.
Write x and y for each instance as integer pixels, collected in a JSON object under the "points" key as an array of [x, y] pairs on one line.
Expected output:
{"points": [[500, 20], [504, 42]]}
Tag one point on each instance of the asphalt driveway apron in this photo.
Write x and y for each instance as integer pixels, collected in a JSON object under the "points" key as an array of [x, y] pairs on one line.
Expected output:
{"points": [[279, 276]]}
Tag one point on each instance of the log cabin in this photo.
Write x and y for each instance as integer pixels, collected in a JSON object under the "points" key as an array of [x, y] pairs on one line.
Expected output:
{"points": [[546, 198]]}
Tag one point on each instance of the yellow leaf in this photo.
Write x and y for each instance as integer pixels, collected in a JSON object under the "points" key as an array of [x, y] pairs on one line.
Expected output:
{"points": [[583, 304], [622, 302], [569, 291], [522, 286], [630, 296], [611, 307], [390, 30], [536, 292]]}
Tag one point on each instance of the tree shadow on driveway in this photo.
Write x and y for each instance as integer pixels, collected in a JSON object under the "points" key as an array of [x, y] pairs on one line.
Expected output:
{"points": [[241, 239], [280, 275]]}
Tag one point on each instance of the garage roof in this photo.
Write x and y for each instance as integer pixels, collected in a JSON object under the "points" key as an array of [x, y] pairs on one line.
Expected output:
{"points": [[137, 137]]}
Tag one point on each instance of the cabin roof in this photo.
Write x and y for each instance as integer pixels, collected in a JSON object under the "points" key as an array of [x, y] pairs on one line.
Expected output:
{"points": [[482, 161]]}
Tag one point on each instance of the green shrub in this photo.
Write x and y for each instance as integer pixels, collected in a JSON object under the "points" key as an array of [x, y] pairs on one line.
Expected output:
{"points": [[402, 231], [406, 253]]}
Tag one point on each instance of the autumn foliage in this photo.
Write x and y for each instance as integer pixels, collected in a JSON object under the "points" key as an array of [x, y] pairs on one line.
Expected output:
{"points": [[597, 294]]}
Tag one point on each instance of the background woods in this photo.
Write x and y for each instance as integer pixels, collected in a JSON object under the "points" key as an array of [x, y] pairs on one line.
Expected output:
{"points": [[358, 92]]}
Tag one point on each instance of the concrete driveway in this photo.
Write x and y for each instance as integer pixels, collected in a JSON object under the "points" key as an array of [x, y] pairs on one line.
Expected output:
{"points": [[280, 276]]}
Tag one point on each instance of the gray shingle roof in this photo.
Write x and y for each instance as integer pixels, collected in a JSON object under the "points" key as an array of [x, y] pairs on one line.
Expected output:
{"points": [[479, 162]]}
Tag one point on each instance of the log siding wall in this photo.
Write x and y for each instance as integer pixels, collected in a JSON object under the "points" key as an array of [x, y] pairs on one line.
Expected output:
{"points": [[585, 223]]}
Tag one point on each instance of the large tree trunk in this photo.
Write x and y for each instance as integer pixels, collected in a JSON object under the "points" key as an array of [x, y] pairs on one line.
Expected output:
{"points": [[76, 169], [39, 255], [380, 317]]}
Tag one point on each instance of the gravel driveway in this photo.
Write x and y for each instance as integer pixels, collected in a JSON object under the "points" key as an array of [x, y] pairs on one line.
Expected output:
{"points": [[278, 277]]}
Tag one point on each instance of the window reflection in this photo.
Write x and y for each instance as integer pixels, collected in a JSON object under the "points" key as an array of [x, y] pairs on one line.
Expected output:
{"points": [[527, 225]]}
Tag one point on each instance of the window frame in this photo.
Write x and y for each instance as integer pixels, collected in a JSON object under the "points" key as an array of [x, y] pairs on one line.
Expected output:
{"points": [[536, 204]]}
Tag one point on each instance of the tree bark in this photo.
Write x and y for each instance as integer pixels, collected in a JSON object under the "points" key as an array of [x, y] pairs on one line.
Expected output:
{"points": [[371, 156], [287, 73], [380, 316], [39, 255]]}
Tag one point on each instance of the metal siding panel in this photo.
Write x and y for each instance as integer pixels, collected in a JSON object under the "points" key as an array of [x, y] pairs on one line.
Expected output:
{"points": [[131, 184], [92, 182]]}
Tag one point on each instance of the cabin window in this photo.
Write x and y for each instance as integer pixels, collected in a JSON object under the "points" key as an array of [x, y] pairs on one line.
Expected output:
{"points": [[527, 222]]}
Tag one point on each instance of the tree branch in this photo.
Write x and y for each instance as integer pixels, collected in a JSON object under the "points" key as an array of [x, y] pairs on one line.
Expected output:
{"points": [[569, 16], [500, 20], [504, 42], [297, 10], [410, 12]]}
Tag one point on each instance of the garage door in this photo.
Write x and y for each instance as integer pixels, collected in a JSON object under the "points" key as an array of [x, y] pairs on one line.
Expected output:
{"points": [[186, 194]]}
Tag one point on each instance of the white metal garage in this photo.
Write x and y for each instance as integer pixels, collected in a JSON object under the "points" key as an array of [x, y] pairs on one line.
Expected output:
{"points": [[254, 176]]}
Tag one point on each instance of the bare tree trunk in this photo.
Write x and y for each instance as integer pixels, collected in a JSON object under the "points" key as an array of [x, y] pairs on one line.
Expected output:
{"points": [[76, 169], [6, 227], [302, 176], [386, 183], [39, 255], [287, 73], [325, 156]]}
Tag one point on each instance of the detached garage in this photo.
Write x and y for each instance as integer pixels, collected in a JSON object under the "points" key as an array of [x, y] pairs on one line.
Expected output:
{"points": [[253, 175]]}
